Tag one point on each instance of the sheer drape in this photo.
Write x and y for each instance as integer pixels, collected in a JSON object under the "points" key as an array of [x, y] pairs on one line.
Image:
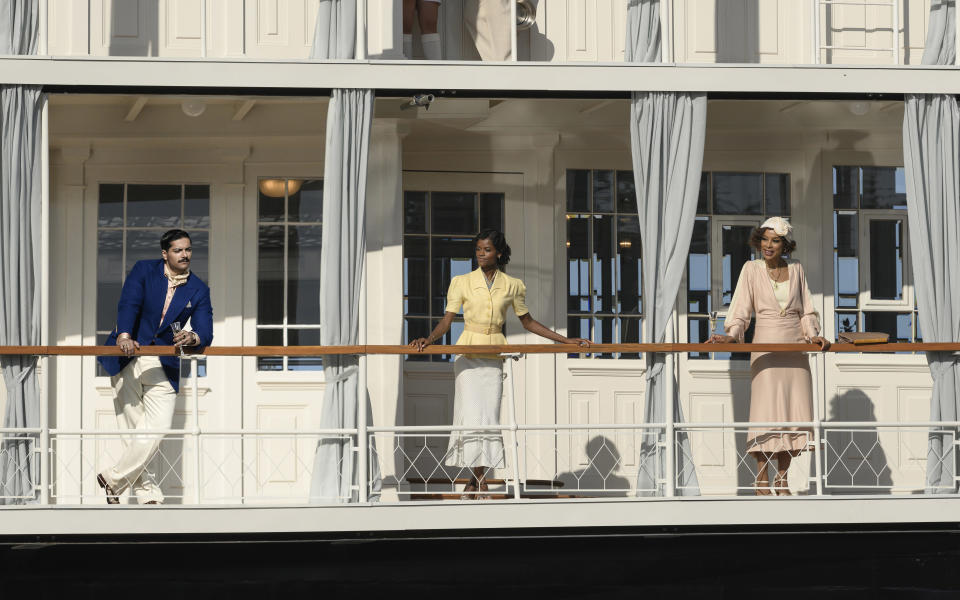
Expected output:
{"points": [[20, 235], [931, 151], [667, 132]]}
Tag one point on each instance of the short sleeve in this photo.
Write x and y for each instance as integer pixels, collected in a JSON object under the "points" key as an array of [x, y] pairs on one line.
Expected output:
{"points": [[455, 296], [520, 300]]}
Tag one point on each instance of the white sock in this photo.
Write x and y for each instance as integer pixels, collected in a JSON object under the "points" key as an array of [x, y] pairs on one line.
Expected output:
{"points": [[408, 45], [431, 46]]}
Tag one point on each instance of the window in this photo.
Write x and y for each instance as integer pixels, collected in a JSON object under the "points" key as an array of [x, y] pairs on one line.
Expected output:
{"points": [[438, 233], [872, 289], [730, 206], [604, 264], [131, 218], [289, 214]]}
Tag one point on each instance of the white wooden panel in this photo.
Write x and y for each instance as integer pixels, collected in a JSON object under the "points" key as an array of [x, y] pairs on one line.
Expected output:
{"points": [[68, 27], [628, 410], [279, 460], [913, 404], [584, 410], [710, 409], [124, 28], [768, 21], [181, 27]]}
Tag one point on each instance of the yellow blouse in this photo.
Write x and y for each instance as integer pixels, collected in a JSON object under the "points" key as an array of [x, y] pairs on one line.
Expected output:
{"points": [[485, 310]]}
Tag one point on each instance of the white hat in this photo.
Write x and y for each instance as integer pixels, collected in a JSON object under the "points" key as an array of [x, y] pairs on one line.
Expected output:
{"points": [[780, 226]]}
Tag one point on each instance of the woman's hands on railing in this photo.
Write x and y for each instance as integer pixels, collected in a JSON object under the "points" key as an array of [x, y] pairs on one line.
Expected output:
{"points": [[822, 341], [719, 338]]}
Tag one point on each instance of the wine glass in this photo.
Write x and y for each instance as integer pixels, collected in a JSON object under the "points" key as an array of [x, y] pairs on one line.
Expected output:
{"points": [[175, 327]]}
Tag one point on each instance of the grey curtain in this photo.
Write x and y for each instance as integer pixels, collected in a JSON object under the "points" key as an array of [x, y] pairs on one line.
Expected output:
{"points": [[343, 260], [335, 34], [667, 131], [20, 188], [931, 151]]}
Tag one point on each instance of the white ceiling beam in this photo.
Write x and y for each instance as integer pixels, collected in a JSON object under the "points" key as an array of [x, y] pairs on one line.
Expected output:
{"points": [[158, 73], [135, 109], [242, 109]]}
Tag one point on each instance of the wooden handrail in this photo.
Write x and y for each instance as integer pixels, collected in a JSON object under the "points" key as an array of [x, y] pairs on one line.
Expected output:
{"points": [[501, 349]]}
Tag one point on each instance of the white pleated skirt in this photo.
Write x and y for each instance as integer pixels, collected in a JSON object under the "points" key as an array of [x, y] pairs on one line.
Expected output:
{"points": [[476, 401]]}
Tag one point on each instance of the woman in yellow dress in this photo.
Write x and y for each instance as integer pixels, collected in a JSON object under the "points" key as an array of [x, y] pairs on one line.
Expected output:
{"points": [[484, 294]]}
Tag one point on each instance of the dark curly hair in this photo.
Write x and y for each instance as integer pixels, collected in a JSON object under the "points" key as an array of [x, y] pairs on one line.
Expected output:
{"points": [[499, 242], [171, 236], [756, 238]]}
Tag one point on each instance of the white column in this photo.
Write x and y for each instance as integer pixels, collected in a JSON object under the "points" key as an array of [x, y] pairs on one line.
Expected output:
{"points": [[385, 29], [384, 276], [43, 367]]}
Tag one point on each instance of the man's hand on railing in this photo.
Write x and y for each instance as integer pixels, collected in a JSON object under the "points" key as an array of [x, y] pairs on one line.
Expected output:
{"points": [[127, 345]]}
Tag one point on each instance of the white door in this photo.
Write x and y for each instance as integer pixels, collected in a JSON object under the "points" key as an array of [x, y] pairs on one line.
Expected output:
{"points": [[442, 213]]}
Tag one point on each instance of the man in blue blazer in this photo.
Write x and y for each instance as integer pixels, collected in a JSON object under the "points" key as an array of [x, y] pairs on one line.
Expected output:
{"points": [[156, 295]]}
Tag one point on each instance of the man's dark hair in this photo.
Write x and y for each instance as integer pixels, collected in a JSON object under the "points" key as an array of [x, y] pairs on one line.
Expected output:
{"points": [[172, 236], [499, 242]]}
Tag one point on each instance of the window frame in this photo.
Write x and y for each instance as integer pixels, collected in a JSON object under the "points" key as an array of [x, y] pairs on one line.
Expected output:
{"points": [[866, 301]]}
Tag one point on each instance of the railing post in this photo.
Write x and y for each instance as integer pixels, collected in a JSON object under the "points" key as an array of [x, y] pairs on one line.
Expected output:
{"points": [[513, 31], [817, 426], [896, 31], [513, 429], [815, 27], [44, 434], [195, 394], [363, 443], [203, 29], [670, 460]]}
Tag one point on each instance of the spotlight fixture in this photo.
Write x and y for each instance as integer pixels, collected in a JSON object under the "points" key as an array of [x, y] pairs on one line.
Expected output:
{"points": [[419, 100], [859, 108], [193, 107]]}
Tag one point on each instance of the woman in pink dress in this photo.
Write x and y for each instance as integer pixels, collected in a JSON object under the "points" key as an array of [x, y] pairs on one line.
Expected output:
{"points": [[775, 290]]}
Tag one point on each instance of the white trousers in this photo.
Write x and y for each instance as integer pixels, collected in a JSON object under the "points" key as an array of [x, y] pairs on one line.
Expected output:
{"points": [[144, 399], [488, 23]]}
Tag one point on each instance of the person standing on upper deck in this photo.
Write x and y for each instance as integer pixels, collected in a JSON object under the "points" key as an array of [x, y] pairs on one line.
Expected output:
{"points": [[485, 295], [775, 289], [427, 12], [158, 295]]}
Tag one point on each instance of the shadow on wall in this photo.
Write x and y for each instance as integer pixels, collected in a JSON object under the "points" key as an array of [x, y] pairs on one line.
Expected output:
{"points": [[737, 31], [134, 28], [854, 459], [599, 478]]}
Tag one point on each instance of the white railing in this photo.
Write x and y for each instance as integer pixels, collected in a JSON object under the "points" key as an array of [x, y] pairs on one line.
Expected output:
{"points": [[198, 466]]}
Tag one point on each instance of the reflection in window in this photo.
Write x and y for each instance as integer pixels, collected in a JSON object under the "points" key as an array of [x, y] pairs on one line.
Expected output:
{"points": [[289, 215], [603, 258], [872, 199], [724, 195], [438, 230], [131, 218]]}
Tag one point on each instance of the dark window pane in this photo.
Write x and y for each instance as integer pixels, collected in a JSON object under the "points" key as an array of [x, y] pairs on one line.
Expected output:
{"points": [[200, 261], [451, 257], [416, 285], [414, 329], [886, 259], [110, 209], [270, 201], [453, 213], [846, 263], [698, 268], [626, 193], [890, 323], [578, 190], [629, 264], [603, 329], [142, 245], [776, 192], [270, 274], [270, 337], [737, 193], [603, 191], [846, 187], [703, 199], [736, 252], [578, 264], [303, 274], [603, 260], [883, 187], [110, 273], [449, 338], [306, 206], [698, 332], [629, 334], [491, 211], [153, 206], [579, 327], [304, 337], [415, 212], [196, 206]]}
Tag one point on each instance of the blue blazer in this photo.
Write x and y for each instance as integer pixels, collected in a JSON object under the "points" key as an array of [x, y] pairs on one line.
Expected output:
{"points": [[139, 309]]}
